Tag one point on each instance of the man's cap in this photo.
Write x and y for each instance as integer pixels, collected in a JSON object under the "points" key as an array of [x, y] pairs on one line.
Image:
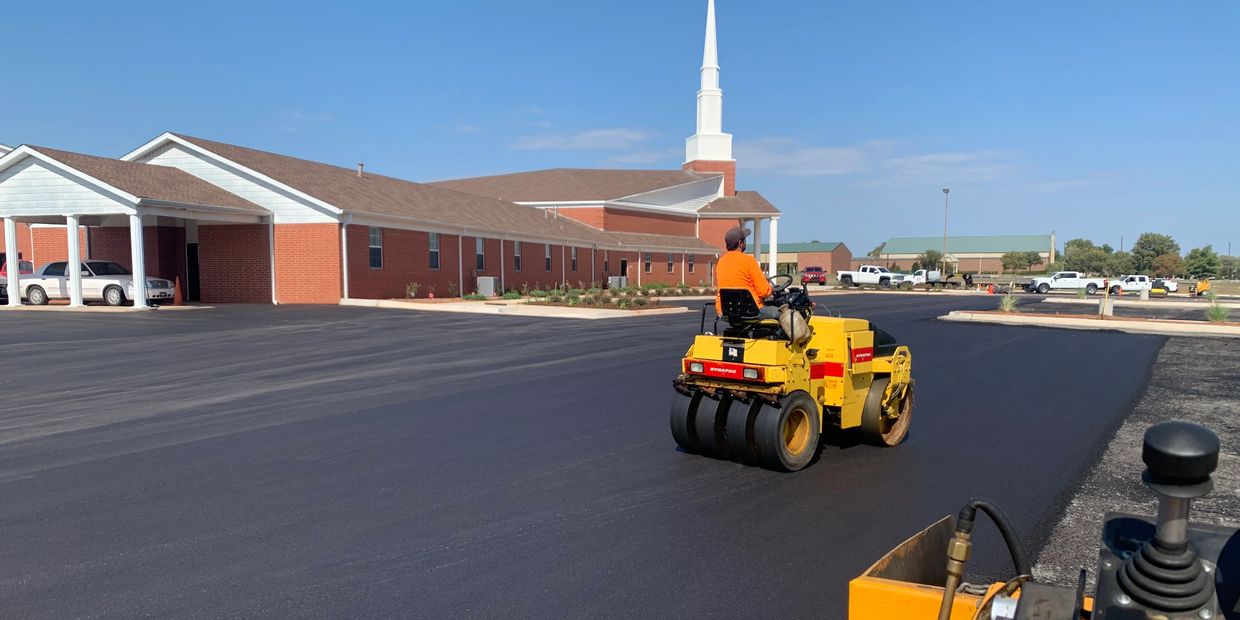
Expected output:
{"points": [[735, 236]]}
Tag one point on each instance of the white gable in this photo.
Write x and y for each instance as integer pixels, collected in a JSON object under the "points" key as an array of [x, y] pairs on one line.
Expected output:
{"points": [[286, 208], [32, 187]]}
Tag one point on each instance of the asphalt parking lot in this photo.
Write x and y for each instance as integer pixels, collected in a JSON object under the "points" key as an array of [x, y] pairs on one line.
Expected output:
{"points": [[326, 461]]}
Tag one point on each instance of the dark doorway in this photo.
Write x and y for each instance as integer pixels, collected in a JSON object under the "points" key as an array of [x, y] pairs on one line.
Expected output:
{"points": [[192, 290]]}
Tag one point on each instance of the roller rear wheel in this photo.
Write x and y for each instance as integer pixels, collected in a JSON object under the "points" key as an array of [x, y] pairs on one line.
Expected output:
{"points": [[684, 409], [786, 437], [886, 428], [740, 431], [710, 426]]}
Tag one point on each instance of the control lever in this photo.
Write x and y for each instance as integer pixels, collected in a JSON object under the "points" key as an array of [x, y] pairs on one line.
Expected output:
{"points": [[1166, 575]]}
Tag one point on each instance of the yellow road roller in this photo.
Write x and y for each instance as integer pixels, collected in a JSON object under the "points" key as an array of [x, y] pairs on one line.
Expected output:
{"points": [[760, 391]]}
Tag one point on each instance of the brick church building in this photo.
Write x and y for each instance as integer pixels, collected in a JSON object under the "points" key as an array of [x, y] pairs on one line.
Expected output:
{"points": [[236, 224]]}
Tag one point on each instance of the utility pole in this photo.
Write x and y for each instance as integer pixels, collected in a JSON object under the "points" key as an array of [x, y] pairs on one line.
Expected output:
{"points": [[946, 191]]}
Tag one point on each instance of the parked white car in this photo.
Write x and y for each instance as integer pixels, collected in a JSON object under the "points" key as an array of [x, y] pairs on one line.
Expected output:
{"points": [[1066, 280], [104, 281], [870, 274]]}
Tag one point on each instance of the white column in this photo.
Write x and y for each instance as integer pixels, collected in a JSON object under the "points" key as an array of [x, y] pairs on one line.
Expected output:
{"points": [[757, 239], [11, 263], [503, 267], [75, 262], [682, 267], [271, 256], [138, 254], [460, 263], [773, 250], [344, 256]]}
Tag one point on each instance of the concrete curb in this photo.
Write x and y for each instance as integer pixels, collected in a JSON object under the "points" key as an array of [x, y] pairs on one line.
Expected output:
{"points": [[1137, 303], [483, 307], [1166, 328]]}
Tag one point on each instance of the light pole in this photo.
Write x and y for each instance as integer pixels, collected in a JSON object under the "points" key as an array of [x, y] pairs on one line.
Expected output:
{"points": [[946, 191]]}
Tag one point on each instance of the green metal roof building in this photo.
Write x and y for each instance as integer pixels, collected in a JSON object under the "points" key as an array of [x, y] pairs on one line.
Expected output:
{"points": [[980, 254]]}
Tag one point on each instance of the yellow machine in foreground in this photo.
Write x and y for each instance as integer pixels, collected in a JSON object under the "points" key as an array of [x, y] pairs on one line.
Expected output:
{"points": [[761, 391], [1163, 568]]}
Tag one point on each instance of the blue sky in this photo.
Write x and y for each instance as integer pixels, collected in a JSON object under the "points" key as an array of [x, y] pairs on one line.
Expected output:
{"points": [[1096, 119]]}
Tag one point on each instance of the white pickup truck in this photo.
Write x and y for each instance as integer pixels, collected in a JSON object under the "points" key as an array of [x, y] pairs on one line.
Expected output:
{"points": [[1138, 283], [1065, 281], [871, 274], [102, 280]]}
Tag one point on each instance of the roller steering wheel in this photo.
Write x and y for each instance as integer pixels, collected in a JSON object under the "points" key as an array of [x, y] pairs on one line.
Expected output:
{"points": [[780, 282]]}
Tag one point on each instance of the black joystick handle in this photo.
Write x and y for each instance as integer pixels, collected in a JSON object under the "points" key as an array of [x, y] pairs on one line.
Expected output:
{"points": [[1179, 456], [1166, 575]]}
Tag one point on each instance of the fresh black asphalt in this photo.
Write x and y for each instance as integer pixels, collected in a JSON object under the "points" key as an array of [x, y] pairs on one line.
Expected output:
{"points": [[341, 462]]}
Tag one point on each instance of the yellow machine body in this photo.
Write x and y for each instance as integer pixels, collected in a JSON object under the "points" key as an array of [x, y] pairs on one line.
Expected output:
{"points": [[835, 366], [908, 582]]}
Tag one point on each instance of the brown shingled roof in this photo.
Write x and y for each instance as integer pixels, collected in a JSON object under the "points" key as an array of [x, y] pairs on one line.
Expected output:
{"points": [[743, 202], [380, 195], [571, 185], [159, 183]]}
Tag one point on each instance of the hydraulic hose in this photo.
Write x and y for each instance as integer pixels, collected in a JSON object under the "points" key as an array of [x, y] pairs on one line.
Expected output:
{"points": [[964, 523], [959, 548]]}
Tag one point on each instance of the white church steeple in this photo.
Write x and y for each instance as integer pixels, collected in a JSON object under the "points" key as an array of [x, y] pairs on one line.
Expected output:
{"points": [[709, 143]]}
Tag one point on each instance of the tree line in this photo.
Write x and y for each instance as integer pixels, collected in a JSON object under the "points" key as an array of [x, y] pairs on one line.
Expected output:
{"points": [[1153, 254]]}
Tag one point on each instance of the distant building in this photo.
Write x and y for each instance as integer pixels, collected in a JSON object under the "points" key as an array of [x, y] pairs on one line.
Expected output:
{"points": [[968, 254], [793, 258]]}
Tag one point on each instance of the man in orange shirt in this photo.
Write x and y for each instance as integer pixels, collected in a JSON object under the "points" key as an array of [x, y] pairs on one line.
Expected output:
{"points": [[736, 269]]}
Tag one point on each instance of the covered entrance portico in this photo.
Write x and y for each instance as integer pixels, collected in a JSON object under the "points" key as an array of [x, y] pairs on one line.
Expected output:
{"points": [[118, 200]]}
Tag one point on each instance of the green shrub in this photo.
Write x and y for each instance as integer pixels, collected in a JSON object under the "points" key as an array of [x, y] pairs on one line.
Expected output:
{"points": [[539, 293], [475, 297], [453, 290], [1007, 303], [594, 290], [576, 292], [682, 285], [1216, 313], [1082, 293], [624, 303], [512, 295], [640, 302], [555, 299], [650, 285]]}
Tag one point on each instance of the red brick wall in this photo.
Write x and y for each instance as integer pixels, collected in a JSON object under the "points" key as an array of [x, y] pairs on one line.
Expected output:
{"points": [[534, 273], [23, 242], [711, 231], [406, 259], [591, 216], [234, 263], [50, 243], [728, 168], [308, 263], [163, 246], [702, 274], [653, 223]]}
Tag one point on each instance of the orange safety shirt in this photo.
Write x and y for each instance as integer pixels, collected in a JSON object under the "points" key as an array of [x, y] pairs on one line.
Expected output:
{"points": [[737, 269]]}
